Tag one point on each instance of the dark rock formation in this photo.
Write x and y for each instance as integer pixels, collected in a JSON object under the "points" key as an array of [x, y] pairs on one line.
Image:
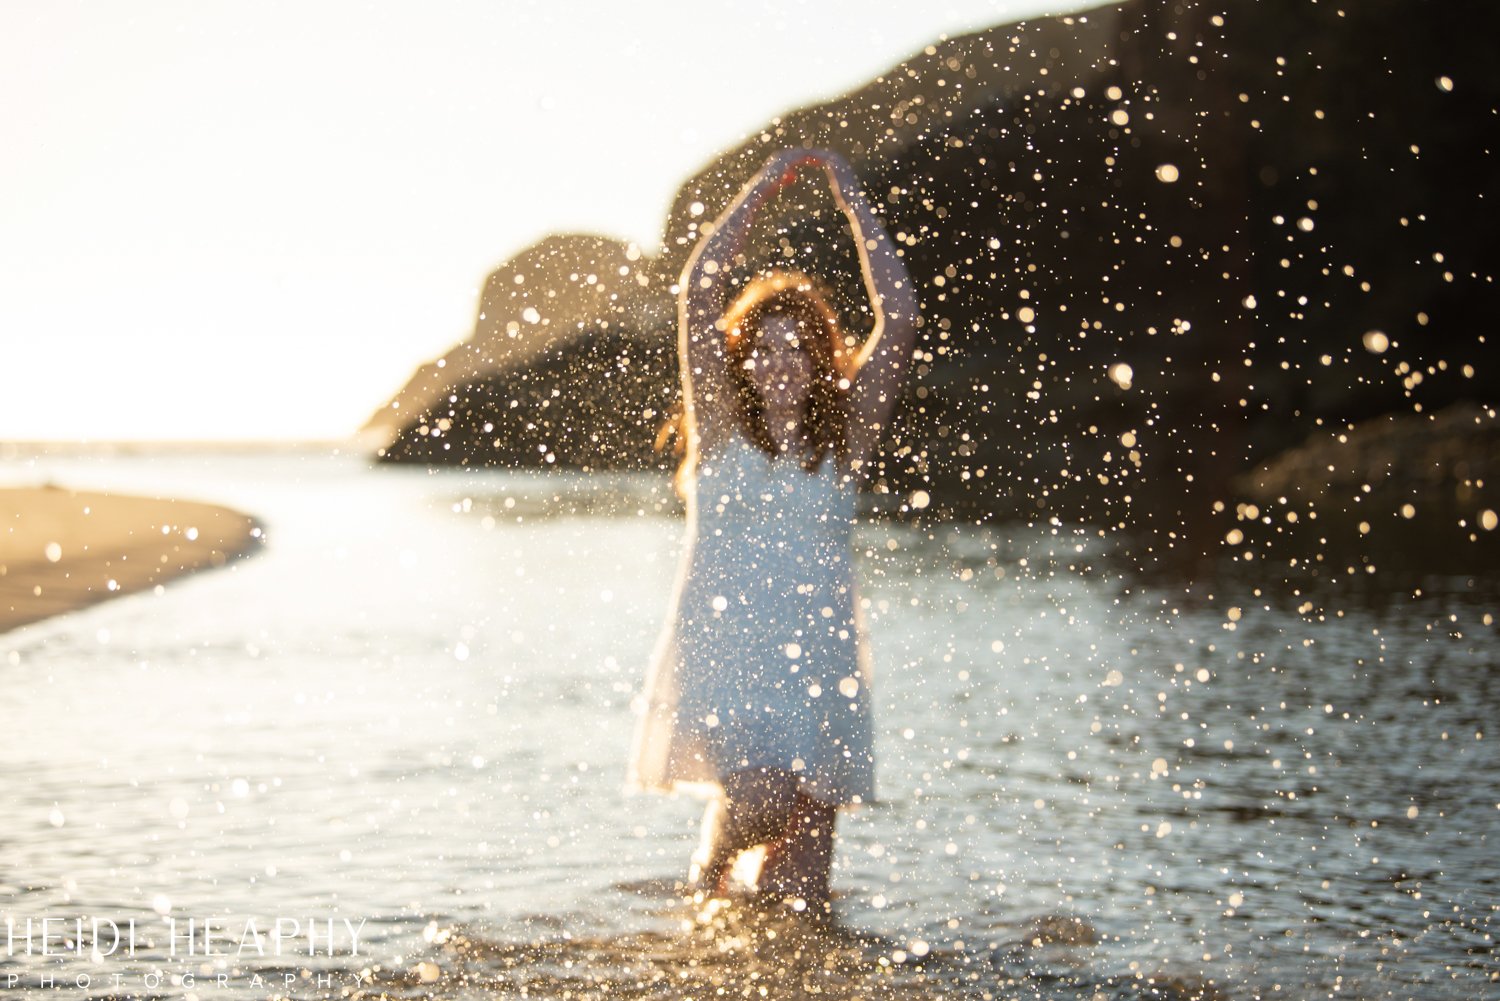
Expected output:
{"points": [[1156, 243], [594, 404], [566, 314], [1409, 491]]}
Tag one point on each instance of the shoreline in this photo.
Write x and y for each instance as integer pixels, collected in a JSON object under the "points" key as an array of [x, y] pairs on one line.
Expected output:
{"points": [[62, 550]]}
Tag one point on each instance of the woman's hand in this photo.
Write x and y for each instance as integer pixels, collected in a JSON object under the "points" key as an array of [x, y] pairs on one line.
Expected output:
{"points": [[781, 170], [785, 165], [784, 162]]}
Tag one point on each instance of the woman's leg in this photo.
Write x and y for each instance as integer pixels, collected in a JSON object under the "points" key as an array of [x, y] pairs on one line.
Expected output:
{"points": [[799, 863], [756, 809], [709, 863]]}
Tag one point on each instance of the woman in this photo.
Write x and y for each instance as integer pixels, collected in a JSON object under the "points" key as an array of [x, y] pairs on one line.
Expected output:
{"points": [[759, 691]]}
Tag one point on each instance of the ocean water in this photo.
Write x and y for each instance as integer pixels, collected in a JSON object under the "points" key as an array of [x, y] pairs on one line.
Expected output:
{"points": [[411, 711]]}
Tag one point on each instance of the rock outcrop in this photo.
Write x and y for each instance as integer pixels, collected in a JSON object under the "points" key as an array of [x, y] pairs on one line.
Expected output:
{"points": [[1415, 492], [1156, 243], [570, 303]]}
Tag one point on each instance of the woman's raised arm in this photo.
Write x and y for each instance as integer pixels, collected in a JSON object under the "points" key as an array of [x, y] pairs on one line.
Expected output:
{"points": [[704, 294], [880, 363]]}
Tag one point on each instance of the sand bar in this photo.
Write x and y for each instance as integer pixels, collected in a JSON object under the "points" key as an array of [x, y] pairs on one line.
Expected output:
{"points": [[62, 549]]}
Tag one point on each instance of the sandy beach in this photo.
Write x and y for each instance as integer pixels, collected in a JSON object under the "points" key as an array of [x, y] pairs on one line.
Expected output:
{"points": [[61, 550]]}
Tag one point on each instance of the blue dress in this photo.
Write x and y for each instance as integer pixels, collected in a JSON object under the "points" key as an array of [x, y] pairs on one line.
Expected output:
{"points": [[762, 663]]}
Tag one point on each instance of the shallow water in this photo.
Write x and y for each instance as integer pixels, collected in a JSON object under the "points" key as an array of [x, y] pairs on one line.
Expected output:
{"points": [[412, 709]]}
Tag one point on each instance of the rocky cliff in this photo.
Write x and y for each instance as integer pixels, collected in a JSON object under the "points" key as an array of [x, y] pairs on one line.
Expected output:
{"points": [[1157, 243]]}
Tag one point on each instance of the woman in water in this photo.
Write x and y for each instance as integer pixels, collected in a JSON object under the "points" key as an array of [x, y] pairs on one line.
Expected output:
{"points": [[759, 690]]}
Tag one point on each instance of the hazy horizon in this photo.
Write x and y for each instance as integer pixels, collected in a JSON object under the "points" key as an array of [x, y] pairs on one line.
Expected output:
{"points": [[216, 226]]}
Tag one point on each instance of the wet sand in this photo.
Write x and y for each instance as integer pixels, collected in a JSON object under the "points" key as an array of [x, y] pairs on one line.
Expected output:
{"points": [[61, 549]]}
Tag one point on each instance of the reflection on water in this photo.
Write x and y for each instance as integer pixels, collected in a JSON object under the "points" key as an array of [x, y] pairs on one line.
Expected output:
{"points": [[743, 952], [412, 710]]}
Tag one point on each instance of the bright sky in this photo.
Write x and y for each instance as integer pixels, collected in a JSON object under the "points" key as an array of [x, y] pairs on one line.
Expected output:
{"points": [[238, 221]]}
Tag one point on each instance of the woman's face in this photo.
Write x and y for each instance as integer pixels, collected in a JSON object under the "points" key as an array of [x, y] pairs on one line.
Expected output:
{"points": [[778, 367]]}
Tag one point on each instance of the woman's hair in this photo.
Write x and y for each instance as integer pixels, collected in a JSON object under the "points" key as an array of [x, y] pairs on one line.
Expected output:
{"points": [[824, 422]]}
